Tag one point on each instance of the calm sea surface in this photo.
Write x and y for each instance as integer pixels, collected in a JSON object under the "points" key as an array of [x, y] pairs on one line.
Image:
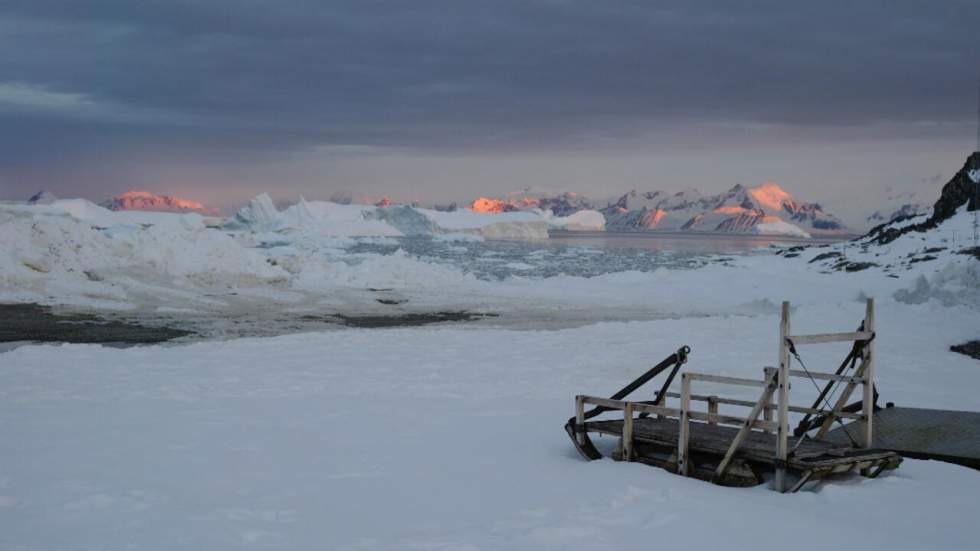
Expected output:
{"points": [[584, 254]]}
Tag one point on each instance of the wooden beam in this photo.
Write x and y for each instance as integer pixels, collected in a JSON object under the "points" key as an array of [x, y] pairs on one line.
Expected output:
{"points": [[725, 380], [607, 403], [746, 426], [837, 411], [682, 433], [782, 417], [712, 408], [825, 376], [729, 420], [768, 408], [659, 410], [831, 337], [628, 432], [803, 480], [580, 420], [869, 375]]}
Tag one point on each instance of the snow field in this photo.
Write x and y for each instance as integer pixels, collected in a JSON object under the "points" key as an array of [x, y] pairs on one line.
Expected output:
{"points": [[439, 438]]}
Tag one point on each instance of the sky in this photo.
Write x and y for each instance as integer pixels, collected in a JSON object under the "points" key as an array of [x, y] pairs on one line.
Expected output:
{"points": [[438, 101]]}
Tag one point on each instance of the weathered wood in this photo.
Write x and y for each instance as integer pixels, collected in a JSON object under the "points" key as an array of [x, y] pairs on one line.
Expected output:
{"points": [[608, 403], [580, 420], [825, 376], [841, 403], [869, 375], [729, 420], [831, 337], [741, 381], [714, 440], [782, 433], [712, 408], [659, 410], [628, 432], [849, 361], [746, 426], [768, 408], [804, 478], [684, 426]]}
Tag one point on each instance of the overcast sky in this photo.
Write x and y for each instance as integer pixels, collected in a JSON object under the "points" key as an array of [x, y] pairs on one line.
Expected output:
{"points": [[437, 100]]}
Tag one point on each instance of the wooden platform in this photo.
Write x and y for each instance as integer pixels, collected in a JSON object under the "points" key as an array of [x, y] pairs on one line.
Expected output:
{"points": [[738, 450], [944, 435], [709, 443]]}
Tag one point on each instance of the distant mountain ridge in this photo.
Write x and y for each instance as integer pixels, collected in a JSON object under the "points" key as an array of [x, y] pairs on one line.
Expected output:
{"points": [[765, 208], [144, 200]]}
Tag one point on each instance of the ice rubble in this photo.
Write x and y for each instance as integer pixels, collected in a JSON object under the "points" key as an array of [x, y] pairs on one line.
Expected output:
{"points": [[74, 247], [333, 219]]}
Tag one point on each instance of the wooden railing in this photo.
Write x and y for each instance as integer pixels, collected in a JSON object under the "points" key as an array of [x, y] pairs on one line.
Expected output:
{"points": [[775, 380]]}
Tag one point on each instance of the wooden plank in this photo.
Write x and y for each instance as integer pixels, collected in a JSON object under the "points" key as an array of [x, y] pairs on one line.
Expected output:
{"points": [[684, 425], [746, 426], [580, 420], [869, 375], [782, 417], [659, 410], [714, 440], [725, 380], [803, 480], [831, 337], [728, 420], [769, 407], [869, 324], [825, 376], [604, 402], [628, 433], [712, 409]]}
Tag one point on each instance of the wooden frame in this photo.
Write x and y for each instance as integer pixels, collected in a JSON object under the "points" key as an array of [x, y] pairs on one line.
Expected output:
{"points": [[772, 406]]}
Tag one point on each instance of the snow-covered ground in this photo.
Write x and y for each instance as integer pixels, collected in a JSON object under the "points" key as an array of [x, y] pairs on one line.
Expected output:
{"points": [[439, 438], [445, 437]]}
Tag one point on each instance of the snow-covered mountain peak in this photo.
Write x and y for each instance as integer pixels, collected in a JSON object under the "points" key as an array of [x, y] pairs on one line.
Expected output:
{"points": [[771, 197], [145, 200]]}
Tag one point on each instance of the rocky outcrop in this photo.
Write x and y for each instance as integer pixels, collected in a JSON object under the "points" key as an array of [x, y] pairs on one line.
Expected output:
{"points": [[960, 190]]}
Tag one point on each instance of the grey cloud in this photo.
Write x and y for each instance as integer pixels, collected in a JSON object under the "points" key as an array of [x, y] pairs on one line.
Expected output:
{"points": [[250, 75]]}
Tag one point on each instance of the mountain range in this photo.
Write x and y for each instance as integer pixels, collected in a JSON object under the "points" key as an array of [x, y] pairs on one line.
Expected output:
{"points": [[765, 208]]}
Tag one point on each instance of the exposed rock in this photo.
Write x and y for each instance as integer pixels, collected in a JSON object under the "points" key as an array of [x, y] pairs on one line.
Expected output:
{"points": [[960, 190], [42, 198]]}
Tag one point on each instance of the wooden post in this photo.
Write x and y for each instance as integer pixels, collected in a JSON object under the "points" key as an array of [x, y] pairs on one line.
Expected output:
{"points": [[767, 412], [682, 436], [628, 432], [869, 379], [580, 419], [712, 409], [782, 434], [869, 375]]}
